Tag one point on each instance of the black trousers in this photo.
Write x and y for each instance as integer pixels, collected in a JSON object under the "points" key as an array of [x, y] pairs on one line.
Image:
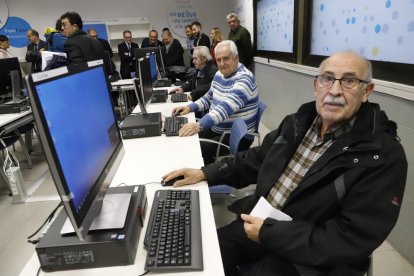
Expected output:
{"points": [[242, 256], [209, 149]]}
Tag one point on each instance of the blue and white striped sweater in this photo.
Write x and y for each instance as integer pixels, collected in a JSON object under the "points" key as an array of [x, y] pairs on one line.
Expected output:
{"points": [[228, 99]]}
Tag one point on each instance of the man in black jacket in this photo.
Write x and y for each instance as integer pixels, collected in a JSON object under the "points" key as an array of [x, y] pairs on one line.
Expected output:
{"points": [[127, 54], [79, 47], [201, 39], [200, 82], [34, 49], [336, 167], [175, 51]]}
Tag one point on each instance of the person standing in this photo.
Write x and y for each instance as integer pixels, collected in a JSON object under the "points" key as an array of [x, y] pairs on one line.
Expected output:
{"points": [[34, 49], [216, 38], [79, 47], [189, 42], [174, 49], [151, 40], [55, 38], [4, 45], [201, 39], [241, 36], [127, 55]]}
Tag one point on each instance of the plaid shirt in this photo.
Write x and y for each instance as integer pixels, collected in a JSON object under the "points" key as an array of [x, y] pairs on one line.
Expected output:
{"points": [[308, 152]]}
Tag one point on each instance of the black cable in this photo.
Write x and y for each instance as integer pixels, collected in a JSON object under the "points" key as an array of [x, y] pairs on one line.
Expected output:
{"points": [[48, 219], [143, 273], [38, 271]]}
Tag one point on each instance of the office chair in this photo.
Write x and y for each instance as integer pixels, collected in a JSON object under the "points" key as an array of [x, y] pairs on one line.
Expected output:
{"points": [[261, 109], [238, 131]]}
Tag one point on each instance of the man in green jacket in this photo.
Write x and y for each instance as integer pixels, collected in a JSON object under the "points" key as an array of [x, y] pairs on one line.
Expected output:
{"points": [[241, 36]]}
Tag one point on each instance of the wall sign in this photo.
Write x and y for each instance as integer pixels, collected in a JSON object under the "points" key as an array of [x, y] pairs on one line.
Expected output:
{"points": [[182, 13], [16, 29]]}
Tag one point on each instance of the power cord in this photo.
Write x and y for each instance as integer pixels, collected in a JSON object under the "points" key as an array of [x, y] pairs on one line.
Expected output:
{"points": [[48, 219], [145, 273]]}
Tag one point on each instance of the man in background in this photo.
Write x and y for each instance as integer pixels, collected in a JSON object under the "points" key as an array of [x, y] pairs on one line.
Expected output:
{"points": [[34, 49], [201, 39], [92, 32], [79, 47], [127, 55], [241, 36], [190, 42], [151, 40], [174, 49]]}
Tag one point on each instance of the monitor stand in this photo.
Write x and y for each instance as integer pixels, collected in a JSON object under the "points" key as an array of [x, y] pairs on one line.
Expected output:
{"points": [[112, 215], [17, 89]]}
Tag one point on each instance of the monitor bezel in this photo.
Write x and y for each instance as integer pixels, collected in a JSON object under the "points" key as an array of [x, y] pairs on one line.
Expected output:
{"points": [[160, 52], [5, 65], [83, 219]]}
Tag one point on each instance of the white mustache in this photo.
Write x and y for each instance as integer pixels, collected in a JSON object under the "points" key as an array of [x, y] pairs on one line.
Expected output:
{"points": [[329, 99]]}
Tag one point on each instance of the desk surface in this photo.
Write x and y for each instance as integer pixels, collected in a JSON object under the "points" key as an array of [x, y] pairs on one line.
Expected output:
{"points": [[145, 161], [11, 117]]}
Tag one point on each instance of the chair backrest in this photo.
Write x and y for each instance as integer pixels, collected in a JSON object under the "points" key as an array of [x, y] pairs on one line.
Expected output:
{"points": [[238, 131], [261, 109]]}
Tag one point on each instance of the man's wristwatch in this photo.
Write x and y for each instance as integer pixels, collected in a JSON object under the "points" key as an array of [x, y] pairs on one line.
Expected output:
{"points": [[200, 127]]}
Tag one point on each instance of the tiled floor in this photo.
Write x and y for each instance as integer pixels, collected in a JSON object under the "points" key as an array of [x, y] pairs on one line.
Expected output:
{"points": [[17, 221]]}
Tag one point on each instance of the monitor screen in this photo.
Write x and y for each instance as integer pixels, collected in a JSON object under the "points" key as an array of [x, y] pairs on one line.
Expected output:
{"points": [[8, 65], [153, 66], [159, 51], [80, 135], [145, 82]]}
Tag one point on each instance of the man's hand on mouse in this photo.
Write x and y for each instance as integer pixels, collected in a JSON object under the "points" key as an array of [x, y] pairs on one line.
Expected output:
{"points": [[191, 176], [181, 110]]}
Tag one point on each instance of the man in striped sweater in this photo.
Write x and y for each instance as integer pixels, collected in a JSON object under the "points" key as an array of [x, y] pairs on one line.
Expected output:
{"points": [[233, 94]]}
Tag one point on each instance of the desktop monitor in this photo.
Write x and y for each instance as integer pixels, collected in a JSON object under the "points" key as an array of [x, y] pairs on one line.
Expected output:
{"points": [[10, 73], [143, 85], [109, 69], [153, 66], [160, 53], [79, 132]]}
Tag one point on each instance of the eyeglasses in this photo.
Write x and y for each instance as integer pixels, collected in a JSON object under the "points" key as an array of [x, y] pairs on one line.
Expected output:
{"points": [[325, 81]]}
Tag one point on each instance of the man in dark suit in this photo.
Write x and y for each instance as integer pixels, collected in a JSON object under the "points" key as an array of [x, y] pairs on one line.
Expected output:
{"points": [[127, 55], [79, 47], [175, 51], [201, 39], [34, 50], [200, 82], [151, 40]]}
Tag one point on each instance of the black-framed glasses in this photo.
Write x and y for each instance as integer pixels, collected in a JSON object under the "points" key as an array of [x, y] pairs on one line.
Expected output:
{"points": [[346, 83]]}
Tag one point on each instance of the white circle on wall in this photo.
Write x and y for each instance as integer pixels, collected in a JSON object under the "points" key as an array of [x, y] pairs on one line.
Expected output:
{"points": [[182, 13], [4, 13]]}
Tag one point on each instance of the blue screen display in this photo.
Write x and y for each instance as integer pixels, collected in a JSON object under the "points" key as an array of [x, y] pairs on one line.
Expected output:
{"points": [[82, 125], [153, 66]]}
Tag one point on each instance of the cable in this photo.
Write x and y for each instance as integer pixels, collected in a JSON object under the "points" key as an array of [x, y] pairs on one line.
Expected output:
{"points": [[48, 219], [143, 273], [38, 271]]}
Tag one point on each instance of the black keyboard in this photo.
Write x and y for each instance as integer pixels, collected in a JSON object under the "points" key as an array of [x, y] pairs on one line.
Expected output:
{"points": [[172, 125], [173, 237], [179, 97]]}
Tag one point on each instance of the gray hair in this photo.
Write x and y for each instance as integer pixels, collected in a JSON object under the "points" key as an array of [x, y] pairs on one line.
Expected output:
{"points": [[203, 51], [231, 15], [368, 76], [229, 43]]}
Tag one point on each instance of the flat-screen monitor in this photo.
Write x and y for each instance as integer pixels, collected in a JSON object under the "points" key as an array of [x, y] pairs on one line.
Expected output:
{"points": [[8, 65], [143, 85], [78, 129], [109, 69], [160, 53]]}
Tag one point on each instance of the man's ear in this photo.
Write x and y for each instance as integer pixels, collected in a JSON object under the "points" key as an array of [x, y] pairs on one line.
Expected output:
{"points": [[368, 90]]}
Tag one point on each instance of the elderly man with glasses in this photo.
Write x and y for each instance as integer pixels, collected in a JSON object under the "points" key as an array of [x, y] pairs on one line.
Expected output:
{"points": [[336, 167]]}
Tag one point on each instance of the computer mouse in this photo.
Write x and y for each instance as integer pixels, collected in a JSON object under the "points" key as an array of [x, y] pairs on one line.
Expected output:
{"points": [[172, 181]]}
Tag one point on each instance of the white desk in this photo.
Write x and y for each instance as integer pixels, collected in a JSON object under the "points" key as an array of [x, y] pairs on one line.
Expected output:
{"points": [[146, 160]]}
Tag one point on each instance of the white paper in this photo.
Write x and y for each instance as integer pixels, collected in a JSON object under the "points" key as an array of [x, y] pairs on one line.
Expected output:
{"points": [[264, 210], [47, 57]]}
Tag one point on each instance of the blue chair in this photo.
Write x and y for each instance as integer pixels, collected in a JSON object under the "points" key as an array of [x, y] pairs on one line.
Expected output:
{"points": [[238, 131], [261, 109]]}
